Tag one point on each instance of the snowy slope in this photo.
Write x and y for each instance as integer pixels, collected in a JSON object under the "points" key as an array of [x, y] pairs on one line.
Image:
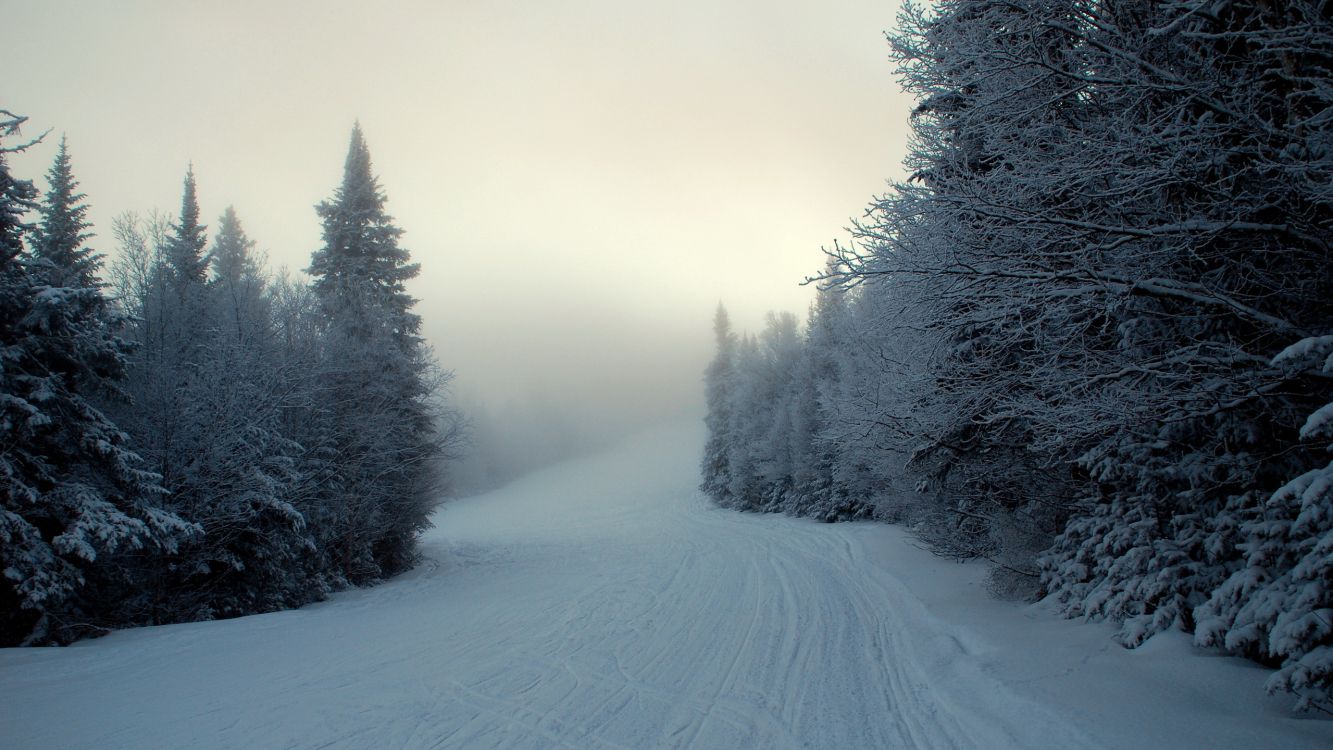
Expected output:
{"points": [[604, 604]]}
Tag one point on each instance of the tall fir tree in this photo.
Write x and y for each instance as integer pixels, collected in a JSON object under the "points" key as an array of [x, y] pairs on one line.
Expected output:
{"points": [[185, 250], [361, 271], [717, 392], [59, 238], [74, 493], [380, 427], [173, 330], [238, 281]]}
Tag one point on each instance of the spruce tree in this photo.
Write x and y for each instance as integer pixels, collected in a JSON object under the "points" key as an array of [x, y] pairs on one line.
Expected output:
{"points": [[238, 282], [242, 478], [59, 239], [717, 385], [74, 493], [185, 250], [379, 427], [361, 270], [173, 332]]}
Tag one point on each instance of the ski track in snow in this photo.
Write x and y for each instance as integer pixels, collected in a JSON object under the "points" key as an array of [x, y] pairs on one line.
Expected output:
{"points": [[603, 603]]}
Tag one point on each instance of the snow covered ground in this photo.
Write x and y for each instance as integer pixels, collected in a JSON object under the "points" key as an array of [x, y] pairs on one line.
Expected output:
{"points": [[604, 603]]}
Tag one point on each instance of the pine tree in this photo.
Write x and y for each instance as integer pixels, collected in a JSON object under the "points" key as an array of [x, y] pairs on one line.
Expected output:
{"points": [[59, 239], [360, 271], [238, 282], [211, 393], [173, 332], [380, 427], [185, 249], [829, 462], [1275, 606], [717, 385], [760, 396], [244, 482], [74, 493]]}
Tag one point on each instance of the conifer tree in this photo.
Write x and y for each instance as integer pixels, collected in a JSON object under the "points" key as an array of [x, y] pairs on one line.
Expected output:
{"points": [[74, 493], [185, 249], [237, 280], [824, 489], [379, 427], [717, 385], [209, 412], [59, 239], [173, 332], [360, 271]]}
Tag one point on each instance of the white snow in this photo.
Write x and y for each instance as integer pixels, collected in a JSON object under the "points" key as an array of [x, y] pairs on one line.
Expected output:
{"points": [[604, 603], [1318, 423]]}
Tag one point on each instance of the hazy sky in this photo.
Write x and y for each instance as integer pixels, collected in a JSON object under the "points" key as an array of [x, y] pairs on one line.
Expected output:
{"points": [[581, 181]]}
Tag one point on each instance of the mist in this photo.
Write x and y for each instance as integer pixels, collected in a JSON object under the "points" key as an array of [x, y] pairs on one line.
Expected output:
{"points": [[582, 183], [450, 373]]}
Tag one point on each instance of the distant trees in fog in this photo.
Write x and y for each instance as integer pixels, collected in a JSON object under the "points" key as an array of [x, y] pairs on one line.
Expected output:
{"points": [[1090, 338], [771, 405], [203, 440]]}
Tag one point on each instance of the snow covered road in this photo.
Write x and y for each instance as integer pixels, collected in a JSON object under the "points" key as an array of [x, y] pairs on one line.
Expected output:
{"points": [[599, 604]]}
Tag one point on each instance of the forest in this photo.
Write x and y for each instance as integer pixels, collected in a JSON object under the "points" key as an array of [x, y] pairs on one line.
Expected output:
{"points": [[1083, 346], [187, 437], [1089, 339]]}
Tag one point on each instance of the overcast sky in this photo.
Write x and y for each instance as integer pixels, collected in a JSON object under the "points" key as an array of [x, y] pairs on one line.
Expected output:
{"points": [[581, 181]]}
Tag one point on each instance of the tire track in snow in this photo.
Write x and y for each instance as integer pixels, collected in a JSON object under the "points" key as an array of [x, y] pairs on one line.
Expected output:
{"points": [[755, 584], [600, 604]]}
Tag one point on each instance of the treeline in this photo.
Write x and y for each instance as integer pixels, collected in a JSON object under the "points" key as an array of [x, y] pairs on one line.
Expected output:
{"points": [[197, 439], [775, 428], [1090, 339]]}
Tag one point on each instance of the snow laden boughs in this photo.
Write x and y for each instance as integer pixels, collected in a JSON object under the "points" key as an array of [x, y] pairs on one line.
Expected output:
{"points": [[1111, 243], [74, 493], [1074, 320], [59, 239], [206, 414], [1278, 606], [716, 468], [213, 442], [774, 439], [382, 421]]}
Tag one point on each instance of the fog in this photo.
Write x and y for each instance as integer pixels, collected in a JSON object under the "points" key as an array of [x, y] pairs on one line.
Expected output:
{"points": [[582, 182]]}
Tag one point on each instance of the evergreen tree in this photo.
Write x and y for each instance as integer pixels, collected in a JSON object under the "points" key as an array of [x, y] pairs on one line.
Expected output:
{"points": [[59, 239], [211, 392], [244, 482], [360, 272], [173, 332], [379, 427], [1275, 605], [772, 445], [238, 281], [824, 489], [185, 249], [74, 494], [717, 393], [763, 390]]}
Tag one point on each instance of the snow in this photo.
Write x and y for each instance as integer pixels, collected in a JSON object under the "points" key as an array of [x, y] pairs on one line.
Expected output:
{"points": [[604, 603], [1304, 349], [1318, 423]]}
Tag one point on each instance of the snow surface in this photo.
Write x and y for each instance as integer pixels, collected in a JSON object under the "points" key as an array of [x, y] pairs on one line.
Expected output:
{"points": [[604, 603]]}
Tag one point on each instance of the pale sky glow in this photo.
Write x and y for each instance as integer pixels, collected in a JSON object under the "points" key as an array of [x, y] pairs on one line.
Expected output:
{"points": [[581, 181]]}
